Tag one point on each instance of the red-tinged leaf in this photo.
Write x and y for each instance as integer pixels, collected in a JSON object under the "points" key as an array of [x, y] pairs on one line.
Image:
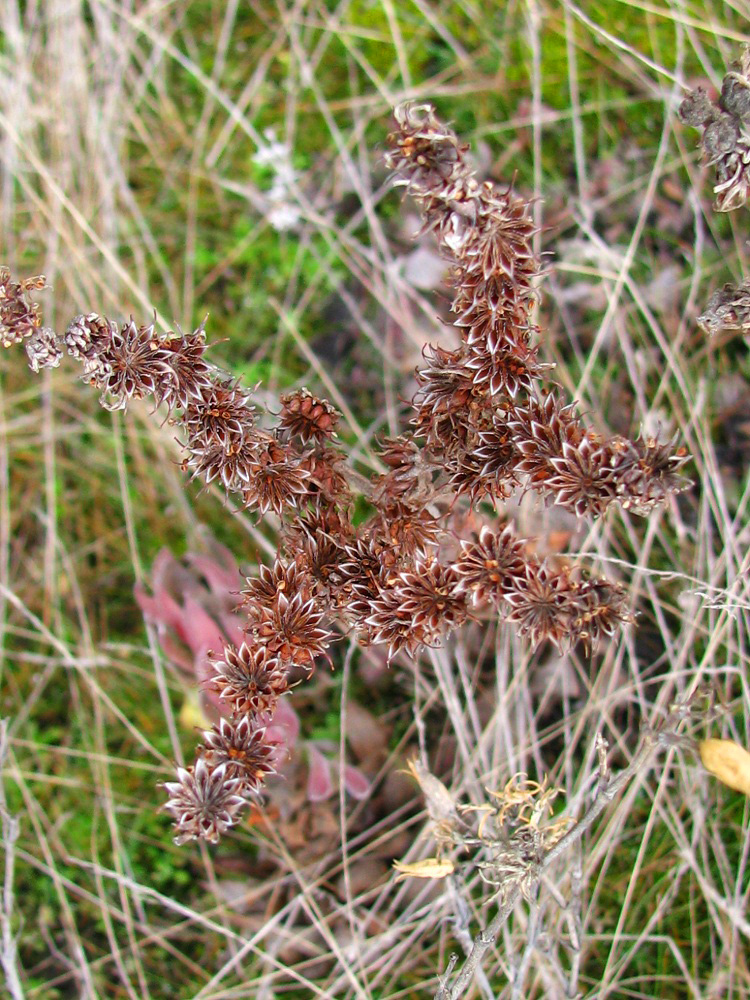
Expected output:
{"points": [[287, 719], [161, 608], [319, 780], [201, 631], [223, 580], [356, 784], [175, 652], [232, 625]]}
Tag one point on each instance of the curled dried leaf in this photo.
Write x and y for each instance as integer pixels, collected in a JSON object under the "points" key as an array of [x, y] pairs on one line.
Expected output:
{"points": [[440, 803]]}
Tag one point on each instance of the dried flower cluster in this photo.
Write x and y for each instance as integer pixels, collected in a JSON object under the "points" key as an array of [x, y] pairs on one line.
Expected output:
{"points": [[724, 139], [505, 838], [725, 124], [482, 425], [480, 411]]}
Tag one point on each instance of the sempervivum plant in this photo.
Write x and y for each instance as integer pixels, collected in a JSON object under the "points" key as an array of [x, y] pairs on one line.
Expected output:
{"points": [[482, 425]]}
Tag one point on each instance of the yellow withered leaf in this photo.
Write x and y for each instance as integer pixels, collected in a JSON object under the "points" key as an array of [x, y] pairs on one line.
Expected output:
{"points": [[428, 868], [728, 761], [192, 714]]}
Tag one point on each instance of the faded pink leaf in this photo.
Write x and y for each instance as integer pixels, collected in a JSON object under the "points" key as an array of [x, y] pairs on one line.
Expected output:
{"points": [[319, 780]]}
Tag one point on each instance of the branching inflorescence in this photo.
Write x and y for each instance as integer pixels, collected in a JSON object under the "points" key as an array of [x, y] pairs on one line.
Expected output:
{"points": [[482, 426], [725, 143]]}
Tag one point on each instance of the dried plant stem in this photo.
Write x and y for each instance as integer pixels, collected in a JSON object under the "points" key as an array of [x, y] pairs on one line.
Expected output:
{"points": [[10, 831], [608, 789]]}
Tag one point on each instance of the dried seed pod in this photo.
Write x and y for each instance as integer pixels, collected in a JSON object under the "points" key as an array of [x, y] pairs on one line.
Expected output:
{"points": [[43, 350], [727, 761], [697, 109], [308, 417]]}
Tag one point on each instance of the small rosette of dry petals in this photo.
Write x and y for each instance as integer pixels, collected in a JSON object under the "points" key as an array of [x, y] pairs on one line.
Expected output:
{"points": [[602, 611], [445, 383], [222, 415], [131, 365], [489, 467], [499, 242], [648, 472], [404, 528], [277, 480], [19, 316], [361, 575], [248, 679], [205, 801], [307, 417], [543, 604], [318, 539], [539, 430], [87, 336], [243, 749], [234, 466], [447, 403], [582, 478], [291, 630], [193, 375], [509, 372], [286, 578], [488, 566], [490, 316], [418, 607]]}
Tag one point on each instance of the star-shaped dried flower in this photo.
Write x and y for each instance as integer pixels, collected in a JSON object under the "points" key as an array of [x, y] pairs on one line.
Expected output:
{"points": [[249, 679], [205, 801], [243, 748]]}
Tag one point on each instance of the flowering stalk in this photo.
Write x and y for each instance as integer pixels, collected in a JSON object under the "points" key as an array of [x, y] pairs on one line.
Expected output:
{"points": [[482, 426]]}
